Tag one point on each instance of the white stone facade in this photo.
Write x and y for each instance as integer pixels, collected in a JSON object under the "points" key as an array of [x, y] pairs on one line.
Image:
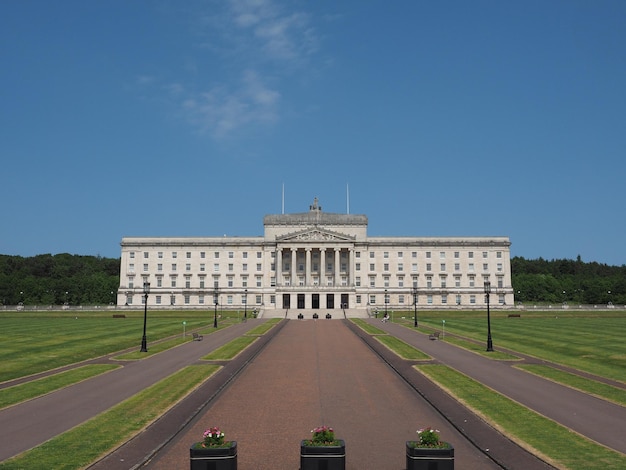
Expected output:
{"points": [[316, 260]]}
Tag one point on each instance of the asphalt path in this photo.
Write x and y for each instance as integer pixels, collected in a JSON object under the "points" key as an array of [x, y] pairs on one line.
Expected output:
{"points": [[33, 422], [597, 419], [303, 374]]}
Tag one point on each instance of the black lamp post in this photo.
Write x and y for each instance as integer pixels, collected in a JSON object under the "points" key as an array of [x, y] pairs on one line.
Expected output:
{"points": [[386, 302], [415, 306], [215, 309], [487, 292], [245, 305], [144, 341]]}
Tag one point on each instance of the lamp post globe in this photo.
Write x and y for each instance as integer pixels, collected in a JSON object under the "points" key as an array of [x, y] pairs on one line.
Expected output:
{"points": [[144, 341], [245, 305], [487, 293]]}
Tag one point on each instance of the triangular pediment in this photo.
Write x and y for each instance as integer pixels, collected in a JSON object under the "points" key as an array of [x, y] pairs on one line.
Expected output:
{"points": [[315, 235]]}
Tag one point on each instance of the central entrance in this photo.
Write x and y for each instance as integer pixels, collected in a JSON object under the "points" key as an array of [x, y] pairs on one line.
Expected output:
{"points": [[330, 300], [315, 301]]}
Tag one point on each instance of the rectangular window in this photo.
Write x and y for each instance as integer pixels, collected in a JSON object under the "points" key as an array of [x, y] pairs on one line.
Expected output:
{"points": [[146, 255], [386, 267], [258, 267], [145, 267], [188, 267], [188, 254], [216, 267], [428, 254], [202, 267], [174, 254], [385, 254], [160, 267], [372, 267], [160, 255], [357, 266], [231, 254], [216, 255], [174, 267], [202, 254], [245, 254], [400, 267]]}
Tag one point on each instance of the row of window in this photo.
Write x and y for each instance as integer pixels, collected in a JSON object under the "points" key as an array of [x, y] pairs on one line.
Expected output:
{"points": [[188, 254], [357, 254], [373, 300]]}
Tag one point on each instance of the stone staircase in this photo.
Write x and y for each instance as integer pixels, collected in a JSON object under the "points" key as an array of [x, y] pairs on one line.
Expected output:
{"points": [[292, 314]]}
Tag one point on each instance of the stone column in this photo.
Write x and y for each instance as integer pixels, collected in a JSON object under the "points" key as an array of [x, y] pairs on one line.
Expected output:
{"points": [[307, 267], [279, 266], [322, 267], [294, 275], [350, 267], [337, 267]]}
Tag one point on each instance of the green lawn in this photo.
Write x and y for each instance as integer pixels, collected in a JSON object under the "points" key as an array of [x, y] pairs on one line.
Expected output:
{"points": [[589, 341], [36, 342]]}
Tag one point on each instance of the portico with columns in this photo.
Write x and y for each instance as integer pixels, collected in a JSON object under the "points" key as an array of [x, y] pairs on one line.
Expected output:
{"points": [[316, 260]]}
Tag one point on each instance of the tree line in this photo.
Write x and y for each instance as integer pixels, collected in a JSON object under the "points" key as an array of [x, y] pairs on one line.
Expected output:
{"points": [[93, 280], [571, 281], [58, 280]]}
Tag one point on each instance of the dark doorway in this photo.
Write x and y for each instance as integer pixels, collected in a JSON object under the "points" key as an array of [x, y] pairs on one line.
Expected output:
{"points": [[286, 301], [344, 301], [300, 301], [330, 300], [315, 301]]}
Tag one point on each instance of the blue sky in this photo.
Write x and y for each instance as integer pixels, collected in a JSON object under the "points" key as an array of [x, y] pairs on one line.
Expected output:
{"points": [[444, 118]]}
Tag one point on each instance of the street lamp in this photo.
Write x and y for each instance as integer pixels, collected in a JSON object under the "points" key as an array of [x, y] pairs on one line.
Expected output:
{"points": [[386, 302], [487, 292], [144, 341], [215, 309], [245, 305], [415, 306]]}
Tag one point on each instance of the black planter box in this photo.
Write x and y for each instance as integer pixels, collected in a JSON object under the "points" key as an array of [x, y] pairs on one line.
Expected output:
{"points": [[421, 458], [323, 457], [214, 458]]}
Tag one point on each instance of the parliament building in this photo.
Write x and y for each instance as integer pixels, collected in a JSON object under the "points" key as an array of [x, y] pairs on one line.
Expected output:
{"points": [[315, 260]]}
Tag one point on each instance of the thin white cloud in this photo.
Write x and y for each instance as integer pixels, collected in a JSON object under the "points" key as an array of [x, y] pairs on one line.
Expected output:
{"points": [[253, 47], [222, 110]]}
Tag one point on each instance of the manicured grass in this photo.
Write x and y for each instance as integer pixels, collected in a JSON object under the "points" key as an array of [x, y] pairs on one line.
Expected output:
{"points": [[402, 349], [588, 341], [557, 444], [264, 327], [231, 349], [369, 329], [35, 342], [84, 444], [35, 388], [592, 387]]}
